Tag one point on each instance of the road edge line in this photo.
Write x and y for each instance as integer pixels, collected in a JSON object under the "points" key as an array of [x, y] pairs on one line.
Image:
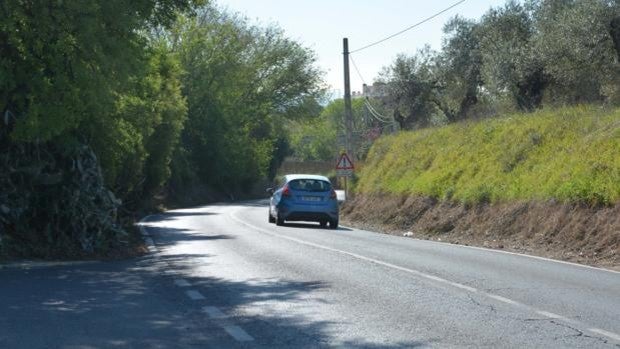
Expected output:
{"points": [[492, 250], [437, 279], [35, 265], [148, 240]]}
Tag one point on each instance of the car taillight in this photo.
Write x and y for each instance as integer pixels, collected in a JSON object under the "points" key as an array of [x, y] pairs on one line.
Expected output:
{"points": [[286, 192], [333, 195]]}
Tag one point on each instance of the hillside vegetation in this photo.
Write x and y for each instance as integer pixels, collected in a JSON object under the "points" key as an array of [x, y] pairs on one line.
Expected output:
{"points": [[568, 155]]}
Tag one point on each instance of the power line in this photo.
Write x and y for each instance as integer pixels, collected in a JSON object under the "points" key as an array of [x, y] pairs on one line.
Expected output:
{"points": [[375, 113], [357, 69], [371, 109], [410, 27]]}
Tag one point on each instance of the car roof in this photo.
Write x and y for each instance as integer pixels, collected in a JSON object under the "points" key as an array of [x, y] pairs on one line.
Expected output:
{"points": [[292, 177]]}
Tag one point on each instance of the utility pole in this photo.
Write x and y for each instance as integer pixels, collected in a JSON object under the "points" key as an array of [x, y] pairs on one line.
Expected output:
{"points": [[348, 114]]}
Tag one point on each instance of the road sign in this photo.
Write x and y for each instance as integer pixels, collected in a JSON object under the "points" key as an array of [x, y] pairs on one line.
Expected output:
{"points": [[344, 173], [344, 167]]}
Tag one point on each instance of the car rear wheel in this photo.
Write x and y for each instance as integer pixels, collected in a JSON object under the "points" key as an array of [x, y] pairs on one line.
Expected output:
{"points": [[271, 219], [279, 220], [333, 224]]}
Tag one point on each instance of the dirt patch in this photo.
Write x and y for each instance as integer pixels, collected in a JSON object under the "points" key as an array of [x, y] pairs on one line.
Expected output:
{"points": [[570, 232]]}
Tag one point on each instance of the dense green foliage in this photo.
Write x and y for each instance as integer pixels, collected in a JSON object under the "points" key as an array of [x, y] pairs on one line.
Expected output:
{"points": [[87, 73], [317, 138], [570, 154], [89, 101], [135, 142], [105, 103], [520, 56], [63, 63], [239, 94]]}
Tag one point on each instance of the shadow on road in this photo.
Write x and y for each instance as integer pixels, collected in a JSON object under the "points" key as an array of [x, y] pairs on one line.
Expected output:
{"points": [[173, 215], [132, 305], [172, 236], [254, 203], [272, 331], [135, 303]]}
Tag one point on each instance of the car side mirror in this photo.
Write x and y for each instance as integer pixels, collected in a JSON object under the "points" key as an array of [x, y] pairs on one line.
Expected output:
{"points": [[270, 191]]}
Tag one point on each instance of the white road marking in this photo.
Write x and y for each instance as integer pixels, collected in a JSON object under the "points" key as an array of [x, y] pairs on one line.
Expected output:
{"points": [[238, 333], [182, 283], [355, 255], [551, 315], [150, 244], [605, 333], [235, 331], [194, 295], [504, 252], [37, 265], [517, 254], [465, 287], [214, 313], [502, 299], [608, 334]]}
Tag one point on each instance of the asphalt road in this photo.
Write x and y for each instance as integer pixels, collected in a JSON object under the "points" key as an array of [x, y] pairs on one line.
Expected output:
{"points": [[220, 276]]}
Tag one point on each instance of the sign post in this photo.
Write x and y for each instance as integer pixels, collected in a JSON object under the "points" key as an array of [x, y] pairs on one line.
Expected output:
{"points": [[344, 168]]}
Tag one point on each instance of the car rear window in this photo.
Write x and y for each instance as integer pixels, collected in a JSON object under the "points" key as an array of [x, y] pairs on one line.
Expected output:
{"points": [[309, 185]]}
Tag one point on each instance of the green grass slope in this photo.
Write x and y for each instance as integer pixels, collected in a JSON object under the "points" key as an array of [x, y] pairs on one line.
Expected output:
{"points": [[570, 155]]}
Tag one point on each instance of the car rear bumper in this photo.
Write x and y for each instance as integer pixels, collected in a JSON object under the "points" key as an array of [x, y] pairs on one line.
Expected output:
{"points": [[308, 212], [310, 216]]}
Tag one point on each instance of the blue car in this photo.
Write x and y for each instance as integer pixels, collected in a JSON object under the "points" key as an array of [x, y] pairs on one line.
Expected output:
{"points": [[303, 197]]}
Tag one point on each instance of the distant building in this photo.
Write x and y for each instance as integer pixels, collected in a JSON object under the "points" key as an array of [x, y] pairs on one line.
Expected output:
{"points": [[377, 90]]}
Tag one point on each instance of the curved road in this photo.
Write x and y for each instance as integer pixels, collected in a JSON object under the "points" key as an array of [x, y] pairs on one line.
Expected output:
{"points": [[302, 286]]}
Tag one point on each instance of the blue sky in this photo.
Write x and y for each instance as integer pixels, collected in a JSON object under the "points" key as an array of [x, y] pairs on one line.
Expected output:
{"points": [[321, 25]]}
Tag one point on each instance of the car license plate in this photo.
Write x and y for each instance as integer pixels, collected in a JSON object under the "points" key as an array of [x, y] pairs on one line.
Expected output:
{"points": [[311, 198]]}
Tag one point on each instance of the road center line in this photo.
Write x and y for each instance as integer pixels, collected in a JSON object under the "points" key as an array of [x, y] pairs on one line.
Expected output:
{"points": [[194, 295], [182, 283], [214, 312], [238, 333], [597, 331]]}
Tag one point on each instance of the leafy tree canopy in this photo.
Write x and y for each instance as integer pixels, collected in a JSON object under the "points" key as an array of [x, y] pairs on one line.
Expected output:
{"points": [[63, 62], [241, 83], [521, 55]]}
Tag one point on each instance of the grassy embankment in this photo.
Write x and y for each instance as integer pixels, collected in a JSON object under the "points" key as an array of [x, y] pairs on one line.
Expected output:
{"points": [[546, 183], [571, 155]]}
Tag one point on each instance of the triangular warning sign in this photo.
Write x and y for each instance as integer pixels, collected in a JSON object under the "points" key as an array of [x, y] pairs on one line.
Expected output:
{"points": [[344, 163]]}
